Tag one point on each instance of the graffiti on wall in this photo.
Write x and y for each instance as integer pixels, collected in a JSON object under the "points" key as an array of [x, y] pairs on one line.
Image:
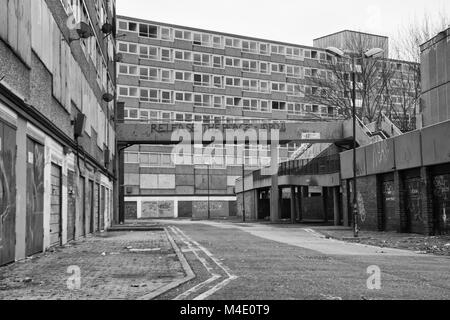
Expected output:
{"points": [[158, 209], [361, 207]]}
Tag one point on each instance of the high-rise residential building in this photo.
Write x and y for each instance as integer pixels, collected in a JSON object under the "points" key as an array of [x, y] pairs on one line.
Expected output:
{"points": [[435, 104], [178, 74], [57, 132]]}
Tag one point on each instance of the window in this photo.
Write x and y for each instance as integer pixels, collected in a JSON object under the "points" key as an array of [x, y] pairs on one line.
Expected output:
{"points": [[218, 102], [148, 31], [233, 82], [202, 100], [264, 67], [264, 86], [250, 46], [166, 97], [166, 75], [281, 87], [314, 55], [183, 76], [250, 85], [249, 65], [128, 92], [149, 95], [293, 71], [217, 62], [264, 48], [233, 62], [278, 105], [183, 35], [233, 101], [278, 49], [202, 80], [166, 55], [278, 67], [182, 55], [264, 106], [147, 52], [217, 42], [250, 104], [202, 59], [232, 42], [166, 33], [183, 96], [132, 48], [218, 81], [294, 53]]}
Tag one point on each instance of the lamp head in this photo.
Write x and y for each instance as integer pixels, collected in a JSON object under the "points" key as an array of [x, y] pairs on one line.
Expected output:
{"points": [[335, 52], [373, 53]]}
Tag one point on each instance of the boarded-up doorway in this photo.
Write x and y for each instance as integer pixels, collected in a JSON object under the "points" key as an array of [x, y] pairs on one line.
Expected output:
{"points": [[7, 193], [35, 198], [55, 202], [71, 205]]}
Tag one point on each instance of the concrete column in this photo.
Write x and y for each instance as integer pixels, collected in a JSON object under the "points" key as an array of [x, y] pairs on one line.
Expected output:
{"points": [[293, 209], [325, 203], [300, 203], [345, 203], [336, 206], [257, 196], [274, 193]]}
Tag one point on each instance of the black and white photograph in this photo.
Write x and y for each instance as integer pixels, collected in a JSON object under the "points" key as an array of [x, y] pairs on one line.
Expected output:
{"points": [[218, 157]]}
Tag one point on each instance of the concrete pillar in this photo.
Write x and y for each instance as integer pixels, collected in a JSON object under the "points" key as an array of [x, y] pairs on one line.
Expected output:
{"points": [[293, 202], [274, 193], [256, 206], [300, 203], [325, 203], [345, 203], [336, 209]]}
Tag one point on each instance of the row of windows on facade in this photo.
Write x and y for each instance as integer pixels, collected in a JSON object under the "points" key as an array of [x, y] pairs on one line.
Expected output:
{"points": [[218, 82], [77, 10], [149, 159], [215, 61], [219, 102], [218, 41], [169, 116]]}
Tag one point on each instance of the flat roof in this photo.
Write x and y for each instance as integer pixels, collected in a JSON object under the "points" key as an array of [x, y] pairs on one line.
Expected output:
{"points": [[219, 33], [347, 30]]}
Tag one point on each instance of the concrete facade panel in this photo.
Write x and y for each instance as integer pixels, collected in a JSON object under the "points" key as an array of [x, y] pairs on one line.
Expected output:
{"points": [[408, 153]]}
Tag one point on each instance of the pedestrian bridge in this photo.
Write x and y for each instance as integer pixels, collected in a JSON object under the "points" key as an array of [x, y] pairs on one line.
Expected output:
{"points": [[166, 133]]}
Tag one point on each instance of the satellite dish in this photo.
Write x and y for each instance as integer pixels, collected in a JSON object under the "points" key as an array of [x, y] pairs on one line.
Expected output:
{"points": [[84, 30], [108, 97], [107, 28]]}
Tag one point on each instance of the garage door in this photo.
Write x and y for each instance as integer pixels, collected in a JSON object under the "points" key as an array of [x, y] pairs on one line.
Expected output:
{"points": [[35, 198], [71, 203], [441, 210], [389, 221], [7, 194], [55, 202], [414, 217]]}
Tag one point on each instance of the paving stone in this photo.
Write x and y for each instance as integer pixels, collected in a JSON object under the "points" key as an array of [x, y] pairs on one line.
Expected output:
{"points": [[109, 270]]}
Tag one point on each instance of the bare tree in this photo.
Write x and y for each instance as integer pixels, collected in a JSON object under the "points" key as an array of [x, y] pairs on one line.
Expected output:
{"points": [[404, 93], [329, 82]]}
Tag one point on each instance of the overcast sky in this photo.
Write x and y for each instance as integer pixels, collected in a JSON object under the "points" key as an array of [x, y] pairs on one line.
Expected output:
{"points": [[295, 21]]}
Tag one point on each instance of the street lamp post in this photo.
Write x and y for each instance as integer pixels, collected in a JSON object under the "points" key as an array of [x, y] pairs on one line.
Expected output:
{"points": [[209, 205], [368, 54]]}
